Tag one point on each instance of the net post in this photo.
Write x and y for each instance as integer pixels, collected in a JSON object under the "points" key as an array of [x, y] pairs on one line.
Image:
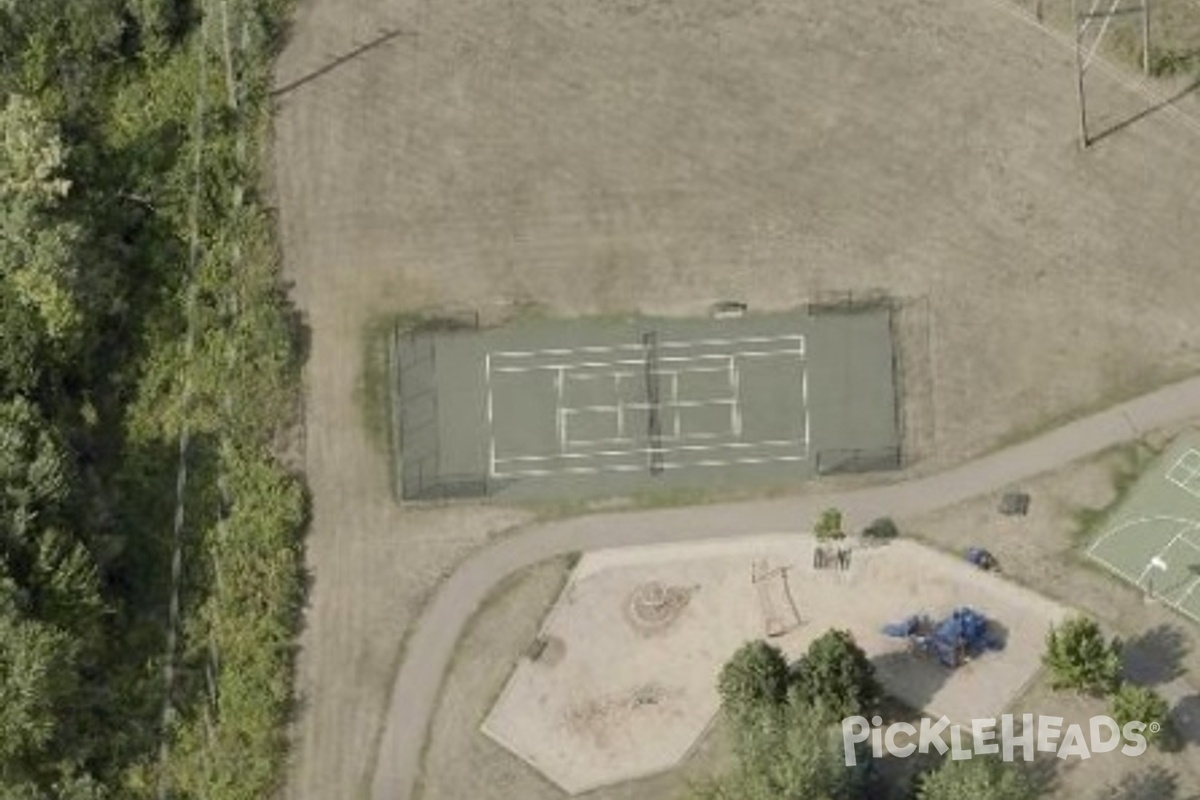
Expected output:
{"points": [[653, 421]]}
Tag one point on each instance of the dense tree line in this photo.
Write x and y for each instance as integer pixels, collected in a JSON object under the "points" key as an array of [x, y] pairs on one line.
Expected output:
{"points": [[130, 216]]}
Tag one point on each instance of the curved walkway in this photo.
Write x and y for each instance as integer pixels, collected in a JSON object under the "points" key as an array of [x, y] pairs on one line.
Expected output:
{"points": [[432, 643]]}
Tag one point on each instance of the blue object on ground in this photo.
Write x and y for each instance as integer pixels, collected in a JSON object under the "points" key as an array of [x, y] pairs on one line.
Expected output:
{"points": [[964, 635]]}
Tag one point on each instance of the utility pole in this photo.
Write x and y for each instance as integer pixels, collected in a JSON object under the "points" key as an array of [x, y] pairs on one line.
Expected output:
{"points": [[1083, 133], [1146, 37]]}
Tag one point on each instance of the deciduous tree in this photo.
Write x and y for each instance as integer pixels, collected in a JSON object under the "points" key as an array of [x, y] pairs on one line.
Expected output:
{"points": [[1080, 658], [836, 677], [978, 778], [756, 676]]}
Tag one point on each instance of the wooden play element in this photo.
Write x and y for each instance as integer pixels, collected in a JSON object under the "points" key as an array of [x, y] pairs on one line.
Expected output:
{"points": [[774, 598]]}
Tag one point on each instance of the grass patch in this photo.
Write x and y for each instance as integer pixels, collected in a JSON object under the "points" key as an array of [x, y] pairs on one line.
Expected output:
{"points": [[374, 389], [1128, 463], [1125, 388], [504, 591]]}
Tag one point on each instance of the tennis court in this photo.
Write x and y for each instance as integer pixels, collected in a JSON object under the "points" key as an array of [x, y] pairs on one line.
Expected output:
{"points": [[1153, 538], [648, 406], [585, 407]]}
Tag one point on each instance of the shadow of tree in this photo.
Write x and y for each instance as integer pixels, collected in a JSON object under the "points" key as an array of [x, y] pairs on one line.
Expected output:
{"points": [[1156, 656], [1154, 783], [910, 677], [1044, 774], [1185, 722]]}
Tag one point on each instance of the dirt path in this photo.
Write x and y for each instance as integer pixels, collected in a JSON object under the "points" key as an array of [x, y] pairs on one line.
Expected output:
{"points": [[432, 643]]}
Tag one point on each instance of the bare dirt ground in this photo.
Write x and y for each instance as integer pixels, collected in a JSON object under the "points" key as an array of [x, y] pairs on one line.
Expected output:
{"points": [[595, 155]]}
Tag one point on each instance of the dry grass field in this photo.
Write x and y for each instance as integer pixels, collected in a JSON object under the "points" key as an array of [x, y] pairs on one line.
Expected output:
{"points": [[601, 155]]}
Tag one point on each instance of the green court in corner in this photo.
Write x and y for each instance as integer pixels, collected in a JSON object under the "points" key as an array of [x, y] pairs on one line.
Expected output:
{"points": [[1152, 539]]}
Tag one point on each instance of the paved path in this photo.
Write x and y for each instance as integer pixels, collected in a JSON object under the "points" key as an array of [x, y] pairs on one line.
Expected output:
{"points": [[431, 646]]}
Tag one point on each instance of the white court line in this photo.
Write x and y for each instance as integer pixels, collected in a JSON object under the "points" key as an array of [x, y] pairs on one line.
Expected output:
{"points": [[542, 473], [1163, 552], [1188, 524], [635, 361], [675, 403], [590, 443], [586, 377], [487, 382], [1186, 540], [669, 344], [1120, 573], [560, 416], [639, 451], [620, 407], [701, 370], [720, 401], [1129, 523], [1188, 462], [735, 388], [1191, 588]]}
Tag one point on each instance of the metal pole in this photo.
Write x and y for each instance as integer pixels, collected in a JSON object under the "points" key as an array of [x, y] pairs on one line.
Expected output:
{"points": [[1083, 134], [1146, 37]]}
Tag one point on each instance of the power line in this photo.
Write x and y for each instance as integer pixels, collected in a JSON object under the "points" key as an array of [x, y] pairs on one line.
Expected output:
{"points": [[181, 476]]}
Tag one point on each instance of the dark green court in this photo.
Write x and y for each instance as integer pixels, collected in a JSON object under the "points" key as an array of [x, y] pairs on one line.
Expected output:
{"points": [[592, 407]]}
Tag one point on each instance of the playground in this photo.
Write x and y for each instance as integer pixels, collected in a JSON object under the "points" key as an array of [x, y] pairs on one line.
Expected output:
{"points": [[1152, 539], [621, 681], [563, 408]]}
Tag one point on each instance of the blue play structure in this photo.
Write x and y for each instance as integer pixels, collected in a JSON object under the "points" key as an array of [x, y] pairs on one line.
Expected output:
{"points": [[952, 641]]}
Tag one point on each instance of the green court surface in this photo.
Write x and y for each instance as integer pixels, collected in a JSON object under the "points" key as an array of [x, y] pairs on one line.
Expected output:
{"points": [[1152, 539], [590, 407]]}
